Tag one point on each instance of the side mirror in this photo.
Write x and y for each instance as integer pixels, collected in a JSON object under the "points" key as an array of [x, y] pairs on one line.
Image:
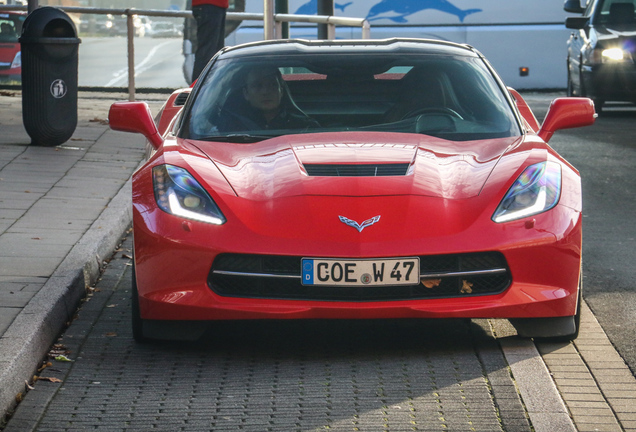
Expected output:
{"points": [[573, 6], [134, 117], [576, 23], [566, 113]]}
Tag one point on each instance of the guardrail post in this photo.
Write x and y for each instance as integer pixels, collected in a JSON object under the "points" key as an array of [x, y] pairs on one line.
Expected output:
{"points": [[131, 55], [331, 31], [268, 19], [366, 30]]}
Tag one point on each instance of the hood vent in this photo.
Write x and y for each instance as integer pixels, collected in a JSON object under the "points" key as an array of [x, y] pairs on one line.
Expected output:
{"points": [[356, 170]]}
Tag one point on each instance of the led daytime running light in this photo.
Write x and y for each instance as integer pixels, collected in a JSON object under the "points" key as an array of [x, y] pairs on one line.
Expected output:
{"points": [[179, 194], [536, 190]]}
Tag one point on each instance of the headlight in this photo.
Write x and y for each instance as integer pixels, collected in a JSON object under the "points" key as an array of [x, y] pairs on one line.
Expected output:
{"points": [[17, 61], [178, 193], [536, 190], [613, 54], [610, 55]]}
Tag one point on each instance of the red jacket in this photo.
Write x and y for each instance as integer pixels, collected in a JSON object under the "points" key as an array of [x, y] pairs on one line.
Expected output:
{"points": [[219, 3]]}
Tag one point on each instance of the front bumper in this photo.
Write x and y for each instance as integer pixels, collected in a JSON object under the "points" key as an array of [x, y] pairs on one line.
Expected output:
{"points": [[174, 259], [610, 82]]}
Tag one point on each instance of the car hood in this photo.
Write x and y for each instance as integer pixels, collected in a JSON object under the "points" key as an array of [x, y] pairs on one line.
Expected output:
{"points": [[608, 33], [356, 164]]}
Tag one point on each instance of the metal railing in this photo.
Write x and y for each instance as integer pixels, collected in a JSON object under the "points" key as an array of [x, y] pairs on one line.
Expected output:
{"points": [[272, 25]]}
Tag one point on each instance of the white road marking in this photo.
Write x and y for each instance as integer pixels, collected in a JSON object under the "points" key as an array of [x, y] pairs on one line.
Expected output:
{"points": [[121, 76]]}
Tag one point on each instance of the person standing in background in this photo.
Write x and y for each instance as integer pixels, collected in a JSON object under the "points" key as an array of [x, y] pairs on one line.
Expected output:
{"points": [[210, 18]]}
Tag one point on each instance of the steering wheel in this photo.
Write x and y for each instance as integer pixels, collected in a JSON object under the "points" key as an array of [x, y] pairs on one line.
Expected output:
{"points": [[435, 110]]}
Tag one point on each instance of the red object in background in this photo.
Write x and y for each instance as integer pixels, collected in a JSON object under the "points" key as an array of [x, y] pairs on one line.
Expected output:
{"points": [[10, 58]]}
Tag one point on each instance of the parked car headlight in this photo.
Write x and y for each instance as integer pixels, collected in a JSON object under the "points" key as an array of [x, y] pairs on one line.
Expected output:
{"points": [[17, 61], [610, 55], [535, 191], [178, 193]]}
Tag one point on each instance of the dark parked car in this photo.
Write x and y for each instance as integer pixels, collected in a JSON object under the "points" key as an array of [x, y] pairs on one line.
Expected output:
{"points": [[601, 51]]}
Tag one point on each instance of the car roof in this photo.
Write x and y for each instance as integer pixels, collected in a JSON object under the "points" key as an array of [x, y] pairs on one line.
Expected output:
{"points": [[368, 46], [11, 14]]}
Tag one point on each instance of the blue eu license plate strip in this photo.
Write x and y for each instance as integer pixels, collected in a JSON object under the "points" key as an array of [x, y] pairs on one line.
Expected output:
{"points": [[344, 272]]}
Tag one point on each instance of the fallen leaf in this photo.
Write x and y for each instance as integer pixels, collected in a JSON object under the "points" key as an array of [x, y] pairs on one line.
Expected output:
{"points": [[431, 283], [467, 287], [50, 379], [63, 358], [110, 334], [44, 366], [111, 306], [29, 386], [126, 256], [98, 120]]}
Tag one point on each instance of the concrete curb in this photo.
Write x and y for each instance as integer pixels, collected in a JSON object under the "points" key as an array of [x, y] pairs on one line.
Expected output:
{"points": [[34, 330], [543, 402]]}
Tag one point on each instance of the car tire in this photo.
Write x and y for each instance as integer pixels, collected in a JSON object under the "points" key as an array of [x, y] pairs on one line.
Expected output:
{"points": [[598, 105], [137, 322], [558, 329]]}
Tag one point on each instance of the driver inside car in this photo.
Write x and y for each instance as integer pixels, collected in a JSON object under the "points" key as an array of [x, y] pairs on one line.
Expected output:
{"points": [[264, 103]]}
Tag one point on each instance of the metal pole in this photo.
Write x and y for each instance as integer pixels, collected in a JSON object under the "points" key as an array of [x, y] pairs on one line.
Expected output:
{"points": [[32, 5], [131, 56], [268, 19], [325, 7], [282, 7]]}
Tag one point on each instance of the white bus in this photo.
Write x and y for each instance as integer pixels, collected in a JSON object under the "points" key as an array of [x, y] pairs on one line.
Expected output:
{"points": [[525, 40]]}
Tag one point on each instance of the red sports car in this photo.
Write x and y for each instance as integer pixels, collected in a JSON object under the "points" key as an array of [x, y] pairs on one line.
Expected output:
{"points": [[354, 180]]}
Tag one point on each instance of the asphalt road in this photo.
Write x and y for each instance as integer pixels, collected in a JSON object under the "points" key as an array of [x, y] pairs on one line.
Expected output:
{"points": [[605, 155], [103, 62]]}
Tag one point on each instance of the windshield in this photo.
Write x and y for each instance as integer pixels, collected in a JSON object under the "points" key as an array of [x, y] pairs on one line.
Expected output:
{"points": [[10, 27], [255, 98], [615, 13]]}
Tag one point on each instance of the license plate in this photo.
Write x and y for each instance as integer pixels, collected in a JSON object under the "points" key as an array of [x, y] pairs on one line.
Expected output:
{"points": [[343, 272]]}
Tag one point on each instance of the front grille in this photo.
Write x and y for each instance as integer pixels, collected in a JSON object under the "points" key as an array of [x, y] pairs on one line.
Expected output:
{"points": [[279, 277], [356, 170]]}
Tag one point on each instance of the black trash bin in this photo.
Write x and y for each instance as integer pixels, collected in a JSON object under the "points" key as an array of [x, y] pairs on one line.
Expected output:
{"points": [[50, 48]]}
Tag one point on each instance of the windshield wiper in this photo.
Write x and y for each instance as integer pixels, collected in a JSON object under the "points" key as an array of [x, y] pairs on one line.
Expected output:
{"points": [[238, 138]]}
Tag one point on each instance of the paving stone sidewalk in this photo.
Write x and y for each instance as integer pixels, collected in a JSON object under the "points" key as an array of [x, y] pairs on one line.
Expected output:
{"points": [[61, 210]]}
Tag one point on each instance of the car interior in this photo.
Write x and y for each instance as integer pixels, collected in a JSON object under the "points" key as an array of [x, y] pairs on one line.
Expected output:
{"points": [[440, 98]]}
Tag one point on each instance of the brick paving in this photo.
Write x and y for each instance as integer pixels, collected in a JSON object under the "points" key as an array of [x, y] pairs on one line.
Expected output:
{"points": [[597, 386], [273, 376], [60, 210]]}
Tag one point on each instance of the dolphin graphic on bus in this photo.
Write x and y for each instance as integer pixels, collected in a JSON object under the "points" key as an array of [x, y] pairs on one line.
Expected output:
{"points": [[311, 7], [398, 10]]}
